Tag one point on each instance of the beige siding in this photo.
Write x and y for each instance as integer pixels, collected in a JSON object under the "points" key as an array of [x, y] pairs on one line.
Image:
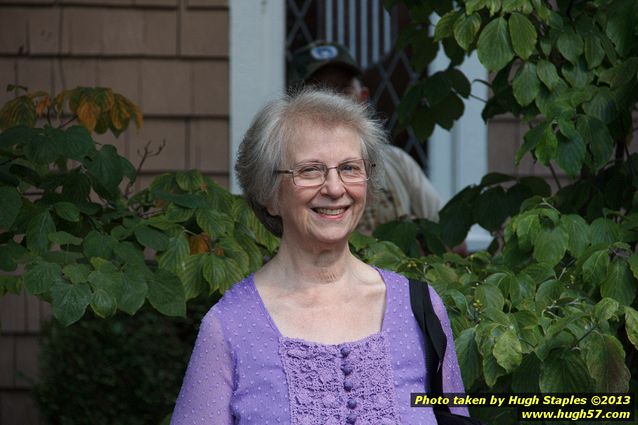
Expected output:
{"points": [[168, 56]]}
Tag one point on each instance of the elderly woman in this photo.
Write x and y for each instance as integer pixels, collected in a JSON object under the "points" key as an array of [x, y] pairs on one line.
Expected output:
{"points": [[315, 336]]}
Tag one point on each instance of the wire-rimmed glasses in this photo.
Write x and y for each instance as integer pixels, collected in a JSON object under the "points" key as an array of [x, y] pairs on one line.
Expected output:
{"points": [[310, 174]]}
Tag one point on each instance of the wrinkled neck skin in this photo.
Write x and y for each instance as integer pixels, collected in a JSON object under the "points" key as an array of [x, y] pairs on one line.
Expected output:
{"points": [[295, 267]]}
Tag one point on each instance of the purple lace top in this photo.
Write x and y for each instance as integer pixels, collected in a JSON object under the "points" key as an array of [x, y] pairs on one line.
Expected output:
{"points": [[243, 371]]}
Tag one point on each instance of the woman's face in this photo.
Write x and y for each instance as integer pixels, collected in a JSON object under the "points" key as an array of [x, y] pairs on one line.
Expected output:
{"points": [[327, 214]]}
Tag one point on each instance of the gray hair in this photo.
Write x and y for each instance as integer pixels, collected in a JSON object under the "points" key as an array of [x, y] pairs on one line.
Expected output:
{"points": [[264, 147]]}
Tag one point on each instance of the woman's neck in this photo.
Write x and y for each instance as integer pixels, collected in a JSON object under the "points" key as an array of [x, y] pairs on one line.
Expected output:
{"points": [[306, 268]]}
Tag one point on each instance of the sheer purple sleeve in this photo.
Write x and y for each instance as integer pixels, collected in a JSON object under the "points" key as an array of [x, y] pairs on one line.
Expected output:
{"points": [[452, 380], [208, 383]]}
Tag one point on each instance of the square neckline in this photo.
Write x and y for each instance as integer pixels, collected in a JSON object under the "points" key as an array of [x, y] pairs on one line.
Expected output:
{"points": [[366, 338]]}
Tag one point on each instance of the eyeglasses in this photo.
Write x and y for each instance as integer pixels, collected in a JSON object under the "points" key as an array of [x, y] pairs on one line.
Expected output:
{"points": [[309, 174]]}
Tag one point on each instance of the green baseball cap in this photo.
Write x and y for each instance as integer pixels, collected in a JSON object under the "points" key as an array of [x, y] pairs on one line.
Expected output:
{"points": [[309, 59]]}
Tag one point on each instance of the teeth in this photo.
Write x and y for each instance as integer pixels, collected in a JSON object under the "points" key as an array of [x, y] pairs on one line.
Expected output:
{"points": [[330, 211]]}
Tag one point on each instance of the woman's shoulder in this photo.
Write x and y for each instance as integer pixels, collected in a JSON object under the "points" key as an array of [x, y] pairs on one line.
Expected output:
{"points": [[235, 300]]}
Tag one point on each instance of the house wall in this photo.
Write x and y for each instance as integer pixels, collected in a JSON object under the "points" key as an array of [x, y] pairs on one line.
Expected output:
{"points": [[171, 57]]}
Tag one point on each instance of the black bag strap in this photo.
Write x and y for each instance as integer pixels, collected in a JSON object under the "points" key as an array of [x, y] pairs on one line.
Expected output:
{"points": [[433, 336]]}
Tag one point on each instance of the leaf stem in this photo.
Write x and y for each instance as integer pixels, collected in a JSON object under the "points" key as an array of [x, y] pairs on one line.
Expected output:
{"points": [[554, 175], [64, 124]]}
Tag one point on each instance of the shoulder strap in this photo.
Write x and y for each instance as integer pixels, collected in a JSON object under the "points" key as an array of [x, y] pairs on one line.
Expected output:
{"points": [[433, 335]]}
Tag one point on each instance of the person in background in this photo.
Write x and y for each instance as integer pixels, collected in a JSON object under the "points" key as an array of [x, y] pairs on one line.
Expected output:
{"points": [[406, 191], [316, 336]]}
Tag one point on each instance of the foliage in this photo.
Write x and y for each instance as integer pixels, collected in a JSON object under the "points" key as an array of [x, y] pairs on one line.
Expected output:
{"points": [[125, 370], [552, 305], [68, 218]]}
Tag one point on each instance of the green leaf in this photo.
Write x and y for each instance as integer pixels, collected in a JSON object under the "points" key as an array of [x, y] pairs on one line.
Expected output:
{"points": [[448, 110], [469, 357], [76, 143], [548, 292], [69, 302], [491, 208], [77, 273], [151, 238], [605, 309], [106, 168], [10, 284], [605, 231], [633, 264], [577, 75], [186, 200], [525, 377], [619, 283], [459, 81], [64, 238], [67, 211], [103, 303], [173, 258], [98, 245], [455, 220], [595, 267], [401, 233], [524, 6], [423, 123], [39, 278], [531, 139], [437, 87], [214, 271], [232, 249], [594, 52], [621, 25], [605, 359], [507, 350], [523, 35], [596, 135], [444, 28], [465, 29], [631, 325], [547, 147], [494, 46], [602, 106], [43, 148], [492, 370], [134, 290], [578, 233], [11, 202], [526, 84], [166, 294], [570, 45], [189, 180], [564, 372], [571, 149], [191, 276], [490, 297], [547, 74], [38, 231], [214, 223]]}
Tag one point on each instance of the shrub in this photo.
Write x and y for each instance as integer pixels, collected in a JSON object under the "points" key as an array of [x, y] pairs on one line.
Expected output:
{"points": [[122, 370]]}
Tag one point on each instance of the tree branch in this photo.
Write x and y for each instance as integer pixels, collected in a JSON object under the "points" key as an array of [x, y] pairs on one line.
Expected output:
{"points": [[145, 153]]}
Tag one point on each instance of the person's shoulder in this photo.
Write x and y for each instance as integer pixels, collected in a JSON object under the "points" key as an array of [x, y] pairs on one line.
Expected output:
{"points": [[393, 278], [233, 300]]}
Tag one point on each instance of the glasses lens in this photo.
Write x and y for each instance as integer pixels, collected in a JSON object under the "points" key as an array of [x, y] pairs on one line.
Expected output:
{"points": [[353, 171], [309, 174]]}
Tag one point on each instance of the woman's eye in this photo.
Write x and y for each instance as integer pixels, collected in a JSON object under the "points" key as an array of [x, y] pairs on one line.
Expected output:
{"points": [[309, 170], [350, 168]]}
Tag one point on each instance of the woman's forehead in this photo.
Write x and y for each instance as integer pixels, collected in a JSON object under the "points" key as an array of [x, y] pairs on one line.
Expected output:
{"points": [[319, 142]]}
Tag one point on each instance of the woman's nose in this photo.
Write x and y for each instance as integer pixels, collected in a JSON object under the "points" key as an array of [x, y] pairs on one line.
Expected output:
{"points": [[333, 185]]}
